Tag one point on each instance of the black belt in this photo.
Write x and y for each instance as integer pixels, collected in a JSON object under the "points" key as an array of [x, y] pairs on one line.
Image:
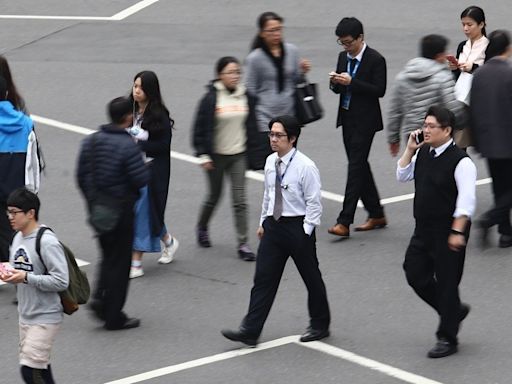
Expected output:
{"points": [[286, 219]]}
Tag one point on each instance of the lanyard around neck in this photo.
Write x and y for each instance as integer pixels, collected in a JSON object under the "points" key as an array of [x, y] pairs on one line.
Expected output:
{"points": [[281, 177]]}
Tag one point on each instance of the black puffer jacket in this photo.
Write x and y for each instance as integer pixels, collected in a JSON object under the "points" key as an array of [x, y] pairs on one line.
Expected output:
{"points": [[115, 162]]}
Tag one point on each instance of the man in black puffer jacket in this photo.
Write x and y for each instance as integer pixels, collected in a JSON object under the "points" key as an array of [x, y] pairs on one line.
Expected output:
{"points": [[110, 162]]}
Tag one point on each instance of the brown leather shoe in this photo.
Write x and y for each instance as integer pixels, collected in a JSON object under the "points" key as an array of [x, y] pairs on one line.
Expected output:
{"points": [[373, 223], [339, 230]]}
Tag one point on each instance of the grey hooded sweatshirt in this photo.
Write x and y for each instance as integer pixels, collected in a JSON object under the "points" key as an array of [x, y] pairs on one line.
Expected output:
{"points": [[422, 83]]}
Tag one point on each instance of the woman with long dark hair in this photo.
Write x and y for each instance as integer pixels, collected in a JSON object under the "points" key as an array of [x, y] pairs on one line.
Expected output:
{"points": [[273, 69], [152, 128], [12, 92], [224, 118]]}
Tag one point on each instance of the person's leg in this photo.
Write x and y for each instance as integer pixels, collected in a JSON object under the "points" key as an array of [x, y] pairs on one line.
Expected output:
{"points": [[215, 179], [270, 263], [305, 258], [500, 172], [419, 269], [236, 170]]}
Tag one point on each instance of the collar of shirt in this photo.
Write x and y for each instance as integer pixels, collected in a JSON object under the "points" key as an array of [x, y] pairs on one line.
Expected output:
{"points": [[360, 55], [439, 150], [286, 158]]}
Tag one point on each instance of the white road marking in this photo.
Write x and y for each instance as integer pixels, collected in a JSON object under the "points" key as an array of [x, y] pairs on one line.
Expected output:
{"points": [[249, 174], [117, 17], [368, 363], [315, 345]]}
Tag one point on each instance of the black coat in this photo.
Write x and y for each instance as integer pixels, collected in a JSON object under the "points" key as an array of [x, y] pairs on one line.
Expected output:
{"points": [[491, 109], [114, 166], [158, 147], [204, 124], [368, 85]]}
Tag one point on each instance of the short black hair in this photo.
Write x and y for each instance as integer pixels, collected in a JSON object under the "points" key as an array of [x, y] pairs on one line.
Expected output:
{"points": [[499, 41], [3, 89], [25, 200], [119, 108], [223, 62], [291, 126], [443, 115], [433, 45], [349, 26]]}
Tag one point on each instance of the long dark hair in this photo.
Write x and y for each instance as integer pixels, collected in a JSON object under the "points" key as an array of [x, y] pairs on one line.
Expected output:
{"points": [[13, 96], [258, 41], [475, 13], [156, 107]]}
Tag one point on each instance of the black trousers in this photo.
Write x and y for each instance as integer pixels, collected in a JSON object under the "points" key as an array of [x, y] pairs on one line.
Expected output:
{"points": [[434, 272], [114, 269], [501, 173], [282, 239], [360, 183], [6, 233]]}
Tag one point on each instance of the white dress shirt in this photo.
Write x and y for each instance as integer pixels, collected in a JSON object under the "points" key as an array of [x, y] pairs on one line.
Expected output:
{"points": [[465, 178], [300, 188]]}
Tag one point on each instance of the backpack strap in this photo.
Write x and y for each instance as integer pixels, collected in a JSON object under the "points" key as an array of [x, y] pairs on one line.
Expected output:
{"points": [[39, 235]]}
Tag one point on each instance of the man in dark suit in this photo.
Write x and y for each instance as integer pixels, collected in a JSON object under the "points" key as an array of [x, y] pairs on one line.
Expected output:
{"points": [[491, 116], [360, 80]]}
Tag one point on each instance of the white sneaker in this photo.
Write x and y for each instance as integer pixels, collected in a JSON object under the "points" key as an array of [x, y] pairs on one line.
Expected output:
{"points": [[168, 252], [136, 272]]}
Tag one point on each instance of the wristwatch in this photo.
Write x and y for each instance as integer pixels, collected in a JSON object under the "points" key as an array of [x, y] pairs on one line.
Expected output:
{"points": [[25, 281]]}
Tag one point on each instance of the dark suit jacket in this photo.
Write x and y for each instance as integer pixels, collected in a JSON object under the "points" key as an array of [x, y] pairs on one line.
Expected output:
{"points": [[491, 109], [368, 85]]}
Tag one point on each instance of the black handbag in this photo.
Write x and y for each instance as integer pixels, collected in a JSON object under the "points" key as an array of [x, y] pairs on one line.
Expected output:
{"points": [[104, 210], [307, 105]]}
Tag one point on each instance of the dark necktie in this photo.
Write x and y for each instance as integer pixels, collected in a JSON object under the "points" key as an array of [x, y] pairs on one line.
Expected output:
{"points": [[433, 153], [278, 201], [353, 65]]}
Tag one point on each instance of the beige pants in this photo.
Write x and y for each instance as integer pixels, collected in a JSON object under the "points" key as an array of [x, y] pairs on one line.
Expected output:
{"points": [[36, 341]]}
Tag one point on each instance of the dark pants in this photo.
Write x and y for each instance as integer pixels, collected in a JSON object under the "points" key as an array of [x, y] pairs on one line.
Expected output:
{"points": [[434, 272], [114, 270], [6, 233], [501, 173], [283, 239], [360, 182]]}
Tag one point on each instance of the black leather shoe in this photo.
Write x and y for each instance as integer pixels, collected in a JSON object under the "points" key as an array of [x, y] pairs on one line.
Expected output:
{"points": [[240, 336], [97, 308], [312, 334], [130, 322], [505, 241], [442, 348]]}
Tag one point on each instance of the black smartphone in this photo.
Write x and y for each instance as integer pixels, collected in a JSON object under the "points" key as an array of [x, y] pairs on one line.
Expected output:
{"points": [[419, 138]]}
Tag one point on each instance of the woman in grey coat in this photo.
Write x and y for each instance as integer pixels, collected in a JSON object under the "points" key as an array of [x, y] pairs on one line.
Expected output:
{"points": [[272, 70]]}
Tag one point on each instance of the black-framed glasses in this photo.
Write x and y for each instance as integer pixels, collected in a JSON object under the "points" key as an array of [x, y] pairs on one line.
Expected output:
{"points": [[345, 43], [274, 30], [232, 73], [276, 135], [431, 126], [13, 212]]}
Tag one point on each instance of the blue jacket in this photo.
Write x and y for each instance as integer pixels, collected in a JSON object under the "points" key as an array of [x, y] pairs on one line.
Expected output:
{"points": [[18, 155], [114, 166]]}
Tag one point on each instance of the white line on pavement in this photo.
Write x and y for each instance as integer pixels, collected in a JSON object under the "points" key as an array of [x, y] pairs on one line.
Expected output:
{"points": [[117, 17], [315, 345], [249, 174]]}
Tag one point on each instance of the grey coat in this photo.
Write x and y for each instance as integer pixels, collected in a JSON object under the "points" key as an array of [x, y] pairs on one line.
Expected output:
{"points": [[261, 82], [491, 109], [422, 83]]}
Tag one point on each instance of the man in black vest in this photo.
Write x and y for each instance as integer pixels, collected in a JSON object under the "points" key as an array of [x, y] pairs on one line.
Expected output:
{"points": [[444, 202]]}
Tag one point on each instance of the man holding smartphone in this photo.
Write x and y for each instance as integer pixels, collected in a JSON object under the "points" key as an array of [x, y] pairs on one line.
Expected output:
{"points": [[444, 201]]}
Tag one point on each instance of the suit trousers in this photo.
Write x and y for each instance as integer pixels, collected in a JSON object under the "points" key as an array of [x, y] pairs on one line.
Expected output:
{"points": [[284, 238], [360, 183], [501, 173], [434, 271], [114, 270], [6, 233]]}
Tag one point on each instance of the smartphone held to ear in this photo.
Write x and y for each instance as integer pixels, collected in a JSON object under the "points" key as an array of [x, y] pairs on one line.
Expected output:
{"points": [[419, 138]]}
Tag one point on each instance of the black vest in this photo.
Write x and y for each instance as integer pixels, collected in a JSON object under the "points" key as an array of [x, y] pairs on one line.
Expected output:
{"points": [[436, 189]]}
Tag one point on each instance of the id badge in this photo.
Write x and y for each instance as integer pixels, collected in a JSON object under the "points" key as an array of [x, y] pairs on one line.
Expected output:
{"points": [[345, 104]]}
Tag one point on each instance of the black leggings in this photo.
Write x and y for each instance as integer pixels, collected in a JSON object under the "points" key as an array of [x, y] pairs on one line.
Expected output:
{"points": [[37, 376]]}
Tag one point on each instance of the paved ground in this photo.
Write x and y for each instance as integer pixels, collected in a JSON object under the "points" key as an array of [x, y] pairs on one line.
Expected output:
{"points": [[67, 68]]}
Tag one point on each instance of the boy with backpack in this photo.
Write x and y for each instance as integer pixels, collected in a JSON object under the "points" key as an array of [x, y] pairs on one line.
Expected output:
{"points": [[39, 279]]}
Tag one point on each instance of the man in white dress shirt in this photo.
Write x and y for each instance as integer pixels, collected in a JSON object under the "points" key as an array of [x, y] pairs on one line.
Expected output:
{"points": [[444, 202], [291, 210]]}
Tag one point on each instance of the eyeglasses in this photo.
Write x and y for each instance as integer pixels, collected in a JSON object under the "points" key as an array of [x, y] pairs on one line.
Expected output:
{"points": [[276, 135], [345, 43], [13, 213], [431, 126], [232, 73], [274, 30]]}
